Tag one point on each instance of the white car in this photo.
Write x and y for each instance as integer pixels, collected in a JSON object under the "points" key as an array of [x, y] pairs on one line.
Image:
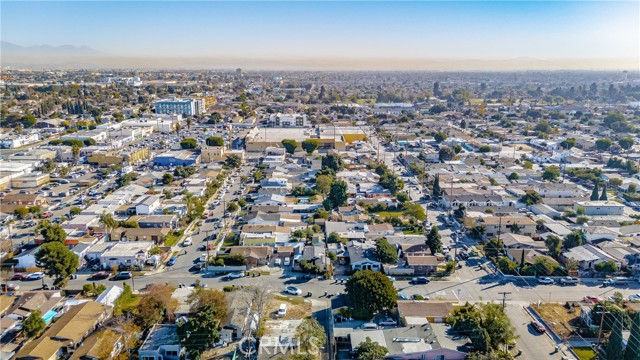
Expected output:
{"points": [[203, 258], [569, 281], [35, 276], [545, 280], [188, 242], [293, 290], [235, 275], [388, 322]]}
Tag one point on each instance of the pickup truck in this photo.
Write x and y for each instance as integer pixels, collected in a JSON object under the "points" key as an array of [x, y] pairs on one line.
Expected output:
{"points": [[568, 281], [616, 281]]}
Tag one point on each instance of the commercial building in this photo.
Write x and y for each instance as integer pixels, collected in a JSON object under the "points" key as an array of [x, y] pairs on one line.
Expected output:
{"points": [[187, 107], [288, 120], [108, 158], [175, 158]]}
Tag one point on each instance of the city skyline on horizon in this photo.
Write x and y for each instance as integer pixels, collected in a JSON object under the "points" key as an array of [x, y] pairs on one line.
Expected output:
{"points": [[341, 35]]}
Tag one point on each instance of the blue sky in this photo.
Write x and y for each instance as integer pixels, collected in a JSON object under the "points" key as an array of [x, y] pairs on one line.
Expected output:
{"points": [[350, 30]]}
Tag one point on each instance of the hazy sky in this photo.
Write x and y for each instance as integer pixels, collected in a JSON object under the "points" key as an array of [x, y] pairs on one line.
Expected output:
{"points": [[349, 30]]}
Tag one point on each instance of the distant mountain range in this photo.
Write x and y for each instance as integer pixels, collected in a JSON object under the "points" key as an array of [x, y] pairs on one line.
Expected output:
{"points": [[9, 50], [73, 57]]}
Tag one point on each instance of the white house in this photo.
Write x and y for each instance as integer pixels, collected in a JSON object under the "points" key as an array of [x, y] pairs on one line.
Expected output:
{"points": [[162, 343], [27, 259], [126, 253], [604, 207], [148, 205]]}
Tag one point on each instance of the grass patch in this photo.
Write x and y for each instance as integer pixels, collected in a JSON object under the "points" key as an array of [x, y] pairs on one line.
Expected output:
{"points": [[412, 232], [230, 241], [389, 213], [584, 353], [126, 302], [172, 238]]}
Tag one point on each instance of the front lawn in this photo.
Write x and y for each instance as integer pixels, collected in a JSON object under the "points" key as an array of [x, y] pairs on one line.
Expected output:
{"points": [[584, 353]]}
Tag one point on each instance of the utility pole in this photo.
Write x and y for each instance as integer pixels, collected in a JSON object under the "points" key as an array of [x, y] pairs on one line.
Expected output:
{"points": [[206, 233], [504, 298], [602, 314]]}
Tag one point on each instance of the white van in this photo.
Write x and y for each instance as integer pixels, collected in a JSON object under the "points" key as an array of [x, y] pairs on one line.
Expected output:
{"points": [[282, 311], [287, 261], [369, 326]]}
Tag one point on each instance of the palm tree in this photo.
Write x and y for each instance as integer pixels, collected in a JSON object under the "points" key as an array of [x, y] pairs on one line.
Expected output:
{"points": [[109, 224], [75, 150], [177, 129], [189, 121]]}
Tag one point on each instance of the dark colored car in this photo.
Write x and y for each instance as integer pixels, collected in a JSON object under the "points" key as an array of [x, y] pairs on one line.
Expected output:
{"points": [[123, 275], [420, 280], [100, 275], [538, 327], [172, 261]]}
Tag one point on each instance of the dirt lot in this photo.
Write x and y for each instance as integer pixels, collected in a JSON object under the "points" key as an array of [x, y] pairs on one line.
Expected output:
{"points": [[297, 308], [561, 320]]}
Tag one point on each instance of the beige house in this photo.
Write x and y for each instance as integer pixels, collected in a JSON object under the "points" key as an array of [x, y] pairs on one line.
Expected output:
{"points": [[508, 224]]}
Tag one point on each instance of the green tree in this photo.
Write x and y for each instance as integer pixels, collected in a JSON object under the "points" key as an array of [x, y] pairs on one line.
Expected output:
{"points": [[608, 266], [370, 350], [446, 153], [507, 266], [486, 325], [632, 351], [332, 161], [603, 144], [545, 266], [232, 207], [311, 336], [290, 145], [527, 165], [323, 183], [257, 175], [568, 143], [75, 151], [440, 137], [387, 253], [595, 193], [233, 161], [614, 348], [34, 324], [310, 145], [200, 331], [214, 141], [603, 196], [334, 238], [414, 210], [21, 211], [57, 261], [402, 198], [554, 244], [626, 143], [74, 210], [574, 239], [188, 143], [514, 176], [167, 178], [434, 241], [531, 198], [437, 191], [52, 232], [551, 173], [108, 222], [484, 149], [370, 292], [460, 212], [337, 195]]}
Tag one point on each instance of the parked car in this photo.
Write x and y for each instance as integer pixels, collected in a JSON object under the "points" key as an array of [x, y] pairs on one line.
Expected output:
{"points": [[203, 258], [172, 261], [235, 275], [123, 275], [538, 327], [634, 298], [616, 281], [34, 276], [420, 280], [387, 322], [591, 299], [19, 276], [188, 242], [100, 275], [292, 290], [402, 297], [569, 280], [545, 280], [9, 287]]}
